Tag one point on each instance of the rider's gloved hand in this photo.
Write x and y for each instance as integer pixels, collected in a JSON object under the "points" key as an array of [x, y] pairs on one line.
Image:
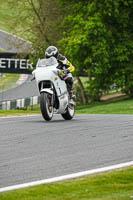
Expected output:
{"points": [[65, 71]]}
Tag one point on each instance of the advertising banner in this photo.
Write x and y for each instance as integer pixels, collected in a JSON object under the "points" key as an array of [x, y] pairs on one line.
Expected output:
{"points": [[15, 63]]}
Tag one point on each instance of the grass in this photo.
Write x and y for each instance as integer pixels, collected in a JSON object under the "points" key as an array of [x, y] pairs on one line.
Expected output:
{"points": [[4, 113], [122, 106], [6, 14], [1, 50], [85, 81], [8, 81], [115, 185]]}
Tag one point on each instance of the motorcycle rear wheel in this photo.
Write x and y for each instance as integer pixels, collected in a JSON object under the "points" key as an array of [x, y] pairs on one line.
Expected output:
{"points": [[69, 114], [45, 106]]}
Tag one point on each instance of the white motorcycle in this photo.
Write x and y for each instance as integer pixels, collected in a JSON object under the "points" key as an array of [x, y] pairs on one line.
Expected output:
{"points": [[54, 95]]}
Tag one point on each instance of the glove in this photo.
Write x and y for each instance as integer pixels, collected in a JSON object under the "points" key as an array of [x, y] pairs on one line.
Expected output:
{"points": [[65, 71]]}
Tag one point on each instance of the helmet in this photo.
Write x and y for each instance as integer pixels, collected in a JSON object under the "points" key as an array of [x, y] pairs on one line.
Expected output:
{"points": [[51, 51]]}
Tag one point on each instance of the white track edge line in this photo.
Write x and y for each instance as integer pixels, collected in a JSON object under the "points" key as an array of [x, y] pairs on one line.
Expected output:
{"points": [[66, 177]]}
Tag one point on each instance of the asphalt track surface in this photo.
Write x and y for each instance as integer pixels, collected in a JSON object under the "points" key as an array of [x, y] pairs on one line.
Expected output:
{"points": [[12, 43], [27, 89], [32, 149]]}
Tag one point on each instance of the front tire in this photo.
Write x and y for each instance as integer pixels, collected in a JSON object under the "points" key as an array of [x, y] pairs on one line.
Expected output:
{"points": [[45, 106], [69, 114]]}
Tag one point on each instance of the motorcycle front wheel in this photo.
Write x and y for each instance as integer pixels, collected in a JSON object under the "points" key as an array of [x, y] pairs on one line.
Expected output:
{"points": [[46, 106], [69, 114]]}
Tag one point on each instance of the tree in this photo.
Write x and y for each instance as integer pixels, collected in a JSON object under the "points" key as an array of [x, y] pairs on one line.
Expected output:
{"points": [[38, 21], [98, 38]]}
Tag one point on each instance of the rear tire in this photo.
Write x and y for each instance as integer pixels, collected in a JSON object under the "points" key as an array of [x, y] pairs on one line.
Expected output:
{"points": [[69, 114], [45, 106]]}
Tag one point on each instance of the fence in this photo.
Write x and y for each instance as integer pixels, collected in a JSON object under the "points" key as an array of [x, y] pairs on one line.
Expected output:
{"points": [[20, 103]]}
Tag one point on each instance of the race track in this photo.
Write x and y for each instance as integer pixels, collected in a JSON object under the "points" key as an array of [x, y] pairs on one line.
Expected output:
{"points": [[27, 89], [32, 149], [12, 43]]}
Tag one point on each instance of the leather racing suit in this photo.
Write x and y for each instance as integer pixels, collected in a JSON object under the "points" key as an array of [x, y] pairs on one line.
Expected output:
{"points": [[67, 69]]}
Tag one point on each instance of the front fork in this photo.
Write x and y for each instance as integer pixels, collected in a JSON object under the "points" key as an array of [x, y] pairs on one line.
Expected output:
{"points": [[51, 96]]}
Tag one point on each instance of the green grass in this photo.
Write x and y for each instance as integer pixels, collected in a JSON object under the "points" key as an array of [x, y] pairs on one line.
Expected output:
{"points": [[8, 81], [2, 50], [85, 81], [116, 185], [6, 14], [124, 106], [4, 113]]}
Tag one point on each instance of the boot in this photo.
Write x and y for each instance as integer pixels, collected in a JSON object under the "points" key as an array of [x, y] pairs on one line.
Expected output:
{"points": [[71, 93]]}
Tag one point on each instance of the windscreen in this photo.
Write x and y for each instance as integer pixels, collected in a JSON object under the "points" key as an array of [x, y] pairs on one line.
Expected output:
{"points": [[47, 62]]}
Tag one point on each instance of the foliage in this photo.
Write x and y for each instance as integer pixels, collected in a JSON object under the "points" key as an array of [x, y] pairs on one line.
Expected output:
{"points": [[38, 22], [98, 38]]}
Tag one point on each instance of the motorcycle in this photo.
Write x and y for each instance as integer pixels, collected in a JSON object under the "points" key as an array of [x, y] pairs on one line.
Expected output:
{"points": [[54, 94]]}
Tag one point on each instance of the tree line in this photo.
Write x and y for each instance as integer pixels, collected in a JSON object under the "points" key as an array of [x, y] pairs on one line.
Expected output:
{"points": [[96, 36]]}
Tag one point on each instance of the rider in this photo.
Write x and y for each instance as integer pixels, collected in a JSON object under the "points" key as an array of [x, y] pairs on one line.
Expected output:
{"points": [[64, 65]]}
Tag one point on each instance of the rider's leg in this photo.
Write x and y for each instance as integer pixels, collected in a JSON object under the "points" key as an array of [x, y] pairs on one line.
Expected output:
{"points": [[69, 82]]}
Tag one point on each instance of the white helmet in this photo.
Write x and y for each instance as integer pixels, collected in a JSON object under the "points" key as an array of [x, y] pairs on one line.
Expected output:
{"points": [[51, 51]]}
